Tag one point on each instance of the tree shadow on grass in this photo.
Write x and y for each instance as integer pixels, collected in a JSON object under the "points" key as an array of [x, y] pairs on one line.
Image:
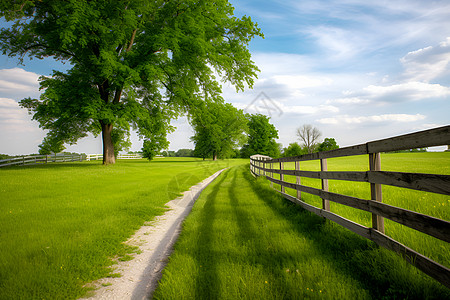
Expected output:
{"points": [[207, 282], [381, 272]]}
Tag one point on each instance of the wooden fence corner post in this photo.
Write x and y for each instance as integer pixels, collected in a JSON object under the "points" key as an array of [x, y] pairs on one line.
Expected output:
{"points": [[298, 181], [324, 168], [375, 191]]}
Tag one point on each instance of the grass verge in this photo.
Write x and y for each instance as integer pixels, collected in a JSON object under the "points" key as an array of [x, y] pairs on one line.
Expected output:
{"points": [[244, 241], [63, 225]]}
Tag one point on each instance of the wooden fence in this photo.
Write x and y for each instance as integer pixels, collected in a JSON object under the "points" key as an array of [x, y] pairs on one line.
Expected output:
{"points": [[41, 159], [261, 165]]}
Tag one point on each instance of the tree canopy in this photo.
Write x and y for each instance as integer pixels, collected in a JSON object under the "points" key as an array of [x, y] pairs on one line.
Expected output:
{"points": [[328, 144], [261, 137], [134, 64], [294, 149], [219, 129]]}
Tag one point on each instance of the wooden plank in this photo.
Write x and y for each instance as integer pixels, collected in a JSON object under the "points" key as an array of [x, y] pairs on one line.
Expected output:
{"points": [[417, 181], [423, 182], [425, 264], [346, 151], [334, 175], [432, 226], [427, 138], [429, 225], [350, 225], [304, 205]]}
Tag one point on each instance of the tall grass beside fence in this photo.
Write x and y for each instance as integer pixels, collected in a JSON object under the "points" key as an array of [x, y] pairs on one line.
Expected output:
{"points": [[63, 225], [243, 240]]}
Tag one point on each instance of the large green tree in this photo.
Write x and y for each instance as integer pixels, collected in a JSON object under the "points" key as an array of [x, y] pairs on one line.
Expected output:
{"points": [[261, 137], [133, 63], [327, 145], [219, 130]]}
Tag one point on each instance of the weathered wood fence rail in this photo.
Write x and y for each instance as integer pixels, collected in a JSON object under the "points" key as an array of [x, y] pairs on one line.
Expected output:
{"points": [[41, 159], [264, 166]]}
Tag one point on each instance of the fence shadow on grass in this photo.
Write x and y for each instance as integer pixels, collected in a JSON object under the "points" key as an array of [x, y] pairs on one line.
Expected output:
{"points": [[382, 273]]}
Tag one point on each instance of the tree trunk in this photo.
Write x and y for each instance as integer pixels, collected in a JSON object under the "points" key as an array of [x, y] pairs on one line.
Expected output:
{"points": [[108, 146], [215, 156]]}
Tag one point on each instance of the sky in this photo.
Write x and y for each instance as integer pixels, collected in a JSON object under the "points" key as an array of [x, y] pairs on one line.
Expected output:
{"points": [[357, 70]]}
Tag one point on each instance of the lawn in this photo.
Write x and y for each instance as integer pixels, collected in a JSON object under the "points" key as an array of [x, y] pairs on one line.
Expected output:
{"points": [[63, 225], [244, 241]]}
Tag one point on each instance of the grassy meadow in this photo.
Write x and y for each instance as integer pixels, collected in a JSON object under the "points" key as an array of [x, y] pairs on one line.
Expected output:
{"points": [[242, 240], [63, 225]]}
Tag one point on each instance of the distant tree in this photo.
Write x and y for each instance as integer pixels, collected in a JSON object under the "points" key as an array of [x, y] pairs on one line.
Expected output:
{"points": [[261, 137], [294, 149], [309, 135], [152, 147], [51, 145], [328, 144], [184, 153], [133, 64], [219, 129]]}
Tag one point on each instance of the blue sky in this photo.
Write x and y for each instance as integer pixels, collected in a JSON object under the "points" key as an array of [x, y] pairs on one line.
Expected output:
{"points": [[357, 70]]}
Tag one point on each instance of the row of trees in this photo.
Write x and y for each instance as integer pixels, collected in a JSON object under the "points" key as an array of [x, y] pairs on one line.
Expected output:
{"points": [[133, 64]]}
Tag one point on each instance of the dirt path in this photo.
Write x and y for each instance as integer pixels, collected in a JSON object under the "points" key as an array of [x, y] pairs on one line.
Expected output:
{"points": [[140, 275]]}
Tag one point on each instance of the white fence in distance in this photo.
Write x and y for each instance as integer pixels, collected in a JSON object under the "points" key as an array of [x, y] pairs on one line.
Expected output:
{"points": [[90, 157], [41, 159], [60, 157]]}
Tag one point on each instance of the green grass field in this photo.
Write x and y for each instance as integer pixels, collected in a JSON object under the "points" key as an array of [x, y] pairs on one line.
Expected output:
{"points": [[62, 225], [244, 241]]}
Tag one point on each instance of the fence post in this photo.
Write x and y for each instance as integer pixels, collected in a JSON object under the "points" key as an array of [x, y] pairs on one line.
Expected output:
{"points": [[264, 166], [299, 181], [271, 173], [23, 160], [260, 165], [375, 191], [324, 167], [282, 176]]}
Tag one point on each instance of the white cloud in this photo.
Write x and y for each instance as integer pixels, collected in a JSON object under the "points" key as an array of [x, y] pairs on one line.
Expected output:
{"points": [[406, 91], [345, 119], [14, 119], [302, 81], [427, 63], [17, 83], [349, 101]]}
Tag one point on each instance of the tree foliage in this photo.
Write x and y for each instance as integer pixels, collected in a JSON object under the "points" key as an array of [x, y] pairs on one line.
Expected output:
{"points": [[135, 64], [328, 144], [294, 149], [309, 136], [261, 137], [219, 129]]}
